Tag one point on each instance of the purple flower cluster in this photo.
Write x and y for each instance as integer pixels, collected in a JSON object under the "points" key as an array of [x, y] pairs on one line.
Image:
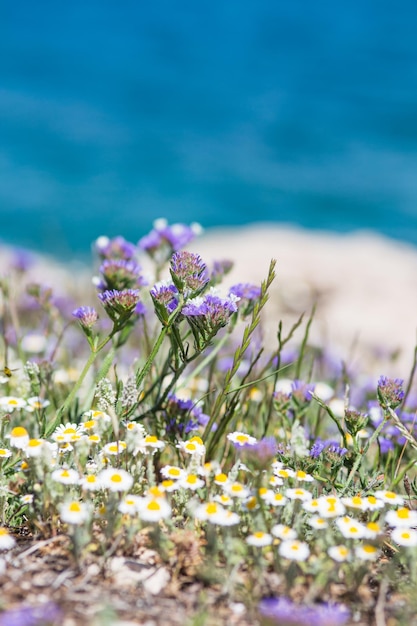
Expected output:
{"points": [[116, 248], [87, 316], [328, 445], [245, 291], [120, 274], [183, 416], [188, 271], [261, 453], [164, 239], [165, 299], [301, 391], [219, 270], [287, 613], [209, 313], [390, 392], [119, 305], [48, 614]]}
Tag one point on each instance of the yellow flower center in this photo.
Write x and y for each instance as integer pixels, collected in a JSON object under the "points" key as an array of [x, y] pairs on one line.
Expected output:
{"points": [[403, 513], [153, 505], [74, 507], [34, 443], [116, 478], [211, 508], [19, 431], [221, 478]]}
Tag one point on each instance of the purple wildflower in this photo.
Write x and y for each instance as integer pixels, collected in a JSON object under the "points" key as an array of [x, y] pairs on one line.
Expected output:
{"points": [[209, 313], [301, 391], [390, 392], [116, 248], [284, 611], [140, 308], [120, 274], [119, 305], [47, 614], [337, 450], [261, 453], [165, 239], [165, 298], [219, 270], [317, 448], [245, 291], [385, 445], [183, 416], [86, 315], [188, 271]]}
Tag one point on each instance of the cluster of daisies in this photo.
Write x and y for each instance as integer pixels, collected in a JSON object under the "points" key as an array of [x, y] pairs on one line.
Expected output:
{"points": [[90, 475]]}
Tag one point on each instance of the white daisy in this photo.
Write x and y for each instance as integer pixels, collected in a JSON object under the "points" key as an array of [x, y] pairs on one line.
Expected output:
{"points": [[129, 504], [6, 540], [66, 433], [10, 403], [114, 448], [294, 550], [404, 536], [172, 472], [191, 481], [401, 518], [19, 437], [66, 476], [284, 532], [153, 509], [241, 439], [339, 553], [90, 482], [389, 497], [74, 512], [115, 479], [259, 539], [366, 552], [193, 446]]}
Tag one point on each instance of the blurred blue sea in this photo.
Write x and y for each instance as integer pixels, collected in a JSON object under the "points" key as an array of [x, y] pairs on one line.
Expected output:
{"points": [[226, 113]]}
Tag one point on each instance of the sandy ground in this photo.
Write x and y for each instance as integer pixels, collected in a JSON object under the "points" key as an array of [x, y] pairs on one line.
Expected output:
{"points": [[364, 286]]}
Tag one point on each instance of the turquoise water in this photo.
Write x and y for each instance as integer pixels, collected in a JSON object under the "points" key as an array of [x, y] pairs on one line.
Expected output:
{"points": [[223, 113]]}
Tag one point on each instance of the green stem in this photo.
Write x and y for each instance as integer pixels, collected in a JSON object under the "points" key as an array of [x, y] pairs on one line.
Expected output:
{"points": [[203, 364], [141, 373], [75, 389], [360, 457]]}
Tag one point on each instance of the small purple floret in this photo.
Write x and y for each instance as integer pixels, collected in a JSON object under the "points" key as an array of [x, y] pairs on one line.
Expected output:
{"points": [[284, 611], [86, 315]]}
